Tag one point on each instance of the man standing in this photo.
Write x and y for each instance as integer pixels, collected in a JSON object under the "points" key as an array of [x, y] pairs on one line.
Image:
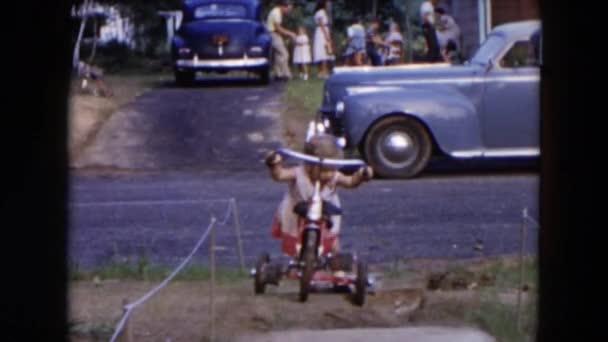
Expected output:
{"points": [[277, 31], [448, 30], [373, 42], [427, 16]]}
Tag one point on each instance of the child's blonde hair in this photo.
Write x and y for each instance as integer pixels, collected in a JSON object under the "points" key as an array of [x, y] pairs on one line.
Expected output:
{"points": [[323, 146]]}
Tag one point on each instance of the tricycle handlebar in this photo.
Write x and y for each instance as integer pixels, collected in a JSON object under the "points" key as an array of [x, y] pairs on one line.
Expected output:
{"points": [[338, 163]]}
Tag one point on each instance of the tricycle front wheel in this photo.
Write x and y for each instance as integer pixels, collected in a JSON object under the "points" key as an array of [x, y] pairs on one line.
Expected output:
{"points": [[308, 269]]}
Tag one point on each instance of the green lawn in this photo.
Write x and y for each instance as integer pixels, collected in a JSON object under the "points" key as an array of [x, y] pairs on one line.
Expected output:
{"points": [[492, 306], [303, 100], [146, 271]]}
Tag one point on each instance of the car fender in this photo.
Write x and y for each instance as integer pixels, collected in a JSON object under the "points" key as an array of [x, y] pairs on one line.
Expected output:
{"points": [[450, 117]]}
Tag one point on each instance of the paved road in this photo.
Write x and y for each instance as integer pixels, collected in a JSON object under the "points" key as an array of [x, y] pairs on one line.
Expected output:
{"points": [[142, 188]]}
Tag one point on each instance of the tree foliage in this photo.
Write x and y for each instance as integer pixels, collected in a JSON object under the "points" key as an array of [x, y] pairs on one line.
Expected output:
{"points": [[150, 31]]}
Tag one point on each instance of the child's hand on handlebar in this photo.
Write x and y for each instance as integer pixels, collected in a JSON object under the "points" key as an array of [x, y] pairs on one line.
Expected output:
{"points": [[273, 158]]}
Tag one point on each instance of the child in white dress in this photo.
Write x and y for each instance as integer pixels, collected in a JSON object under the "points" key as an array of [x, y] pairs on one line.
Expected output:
{"points": [[322, 47], [394, 43], [355, 43], [301, 52], [301, 179]]}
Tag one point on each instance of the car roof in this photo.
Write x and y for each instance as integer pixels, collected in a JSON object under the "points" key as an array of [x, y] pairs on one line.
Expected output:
{"points": [[518, 28], [189, 6]]}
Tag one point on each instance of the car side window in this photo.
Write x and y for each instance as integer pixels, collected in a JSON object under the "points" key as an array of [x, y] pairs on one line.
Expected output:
{"points": [[522, 54]]}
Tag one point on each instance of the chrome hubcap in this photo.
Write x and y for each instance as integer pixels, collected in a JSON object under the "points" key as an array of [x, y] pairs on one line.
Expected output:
{"points": [[397, 149]]}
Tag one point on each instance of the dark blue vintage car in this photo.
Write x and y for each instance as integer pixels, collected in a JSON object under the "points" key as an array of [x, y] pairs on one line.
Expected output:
{"points": [[398, 117], [221, 35]]}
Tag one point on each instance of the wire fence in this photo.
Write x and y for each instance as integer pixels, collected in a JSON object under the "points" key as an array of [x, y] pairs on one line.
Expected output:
{"points": [[123, 327], [231, 212]]}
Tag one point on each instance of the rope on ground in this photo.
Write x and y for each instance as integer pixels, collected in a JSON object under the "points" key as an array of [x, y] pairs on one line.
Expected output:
{"points": [[129, 307]]}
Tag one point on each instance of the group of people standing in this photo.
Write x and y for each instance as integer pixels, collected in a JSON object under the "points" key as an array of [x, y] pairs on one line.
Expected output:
{"points": [[441, 34], [364, 44], [322, 51], [369, 46]]}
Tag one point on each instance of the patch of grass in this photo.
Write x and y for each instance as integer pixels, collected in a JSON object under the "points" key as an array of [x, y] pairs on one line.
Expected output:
{"points": [[501, 273], [143, 270], [97, 332], [303, 100], [507, 272], [396, 270], [501, 320], [486, 312], [491, 307], [307, 94]]}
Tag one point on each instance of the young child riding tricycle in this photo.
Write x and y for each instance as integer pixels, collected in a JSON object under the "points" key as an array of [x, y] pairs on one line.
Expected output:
{"points": [[301, 180], [308, 219]]}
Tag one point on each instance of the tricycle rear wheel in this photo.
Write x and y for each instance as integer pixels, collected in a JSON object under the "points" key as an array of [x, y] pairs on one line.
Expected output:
{"points": [[361, 283], [259, 281]]}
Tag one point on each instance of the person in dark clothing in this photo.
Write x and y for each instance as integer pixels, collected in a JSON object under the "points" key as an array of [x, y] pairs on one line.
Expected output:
{"points": [[373, 42], [427, 16], [450, 53], [433, 53]]}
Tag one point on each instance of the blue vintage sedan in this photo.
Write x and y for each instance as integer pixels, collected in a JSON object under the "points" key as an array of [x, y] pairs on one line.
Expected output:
{"points": [[221, 35], [399, 116]]}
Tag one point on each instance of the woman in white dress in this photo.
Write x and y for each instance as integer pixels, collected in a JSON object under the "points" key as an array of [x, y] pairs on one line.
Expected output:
{"points": [[322, 51]]}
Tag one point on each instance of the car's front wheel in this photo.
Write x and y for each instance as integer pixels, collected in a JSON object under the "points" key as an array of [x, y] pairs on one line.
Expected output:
{"points": [[184, 78], [264, 75], [397, 147]]}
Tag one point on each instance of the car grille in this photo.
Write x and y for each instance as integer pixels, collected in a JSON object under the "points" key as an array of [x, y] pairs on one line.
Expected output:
{"points": [[233, 49]]}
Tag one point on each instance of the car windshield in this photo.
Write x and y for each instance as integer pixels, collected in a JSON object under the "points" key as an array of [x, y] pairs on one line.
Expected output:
{"points": [[488, 49], [213, 11]]}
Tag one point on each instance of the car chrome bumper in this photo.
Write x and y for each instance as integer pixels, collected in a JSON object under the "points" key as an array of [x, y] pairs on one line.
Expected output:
{"points": [[222, 63]]}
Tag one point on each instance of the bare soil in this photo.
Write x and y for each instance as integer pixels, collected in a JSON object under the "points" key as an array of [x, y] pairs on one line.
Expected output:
{"points": [[181, 311], [88, 111]]}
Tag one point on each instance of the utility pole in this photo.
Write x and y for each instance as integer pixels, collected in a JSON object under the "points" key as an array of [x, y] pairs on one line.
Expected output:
{"points": [[375, 8], [407, 27], [84, 11]]}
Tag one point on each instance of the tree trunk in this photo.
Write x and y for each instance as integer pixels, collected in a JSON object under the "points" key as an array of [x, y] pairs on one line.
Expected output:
{"points": [[94, 48], [83, 22]]}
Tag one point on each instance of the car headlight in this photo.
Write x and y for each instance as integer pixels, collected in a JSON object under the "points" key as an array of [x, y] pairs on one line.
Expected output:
{"points": [[184, 52], [321, 127], [256, 50], [339, 108]]}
